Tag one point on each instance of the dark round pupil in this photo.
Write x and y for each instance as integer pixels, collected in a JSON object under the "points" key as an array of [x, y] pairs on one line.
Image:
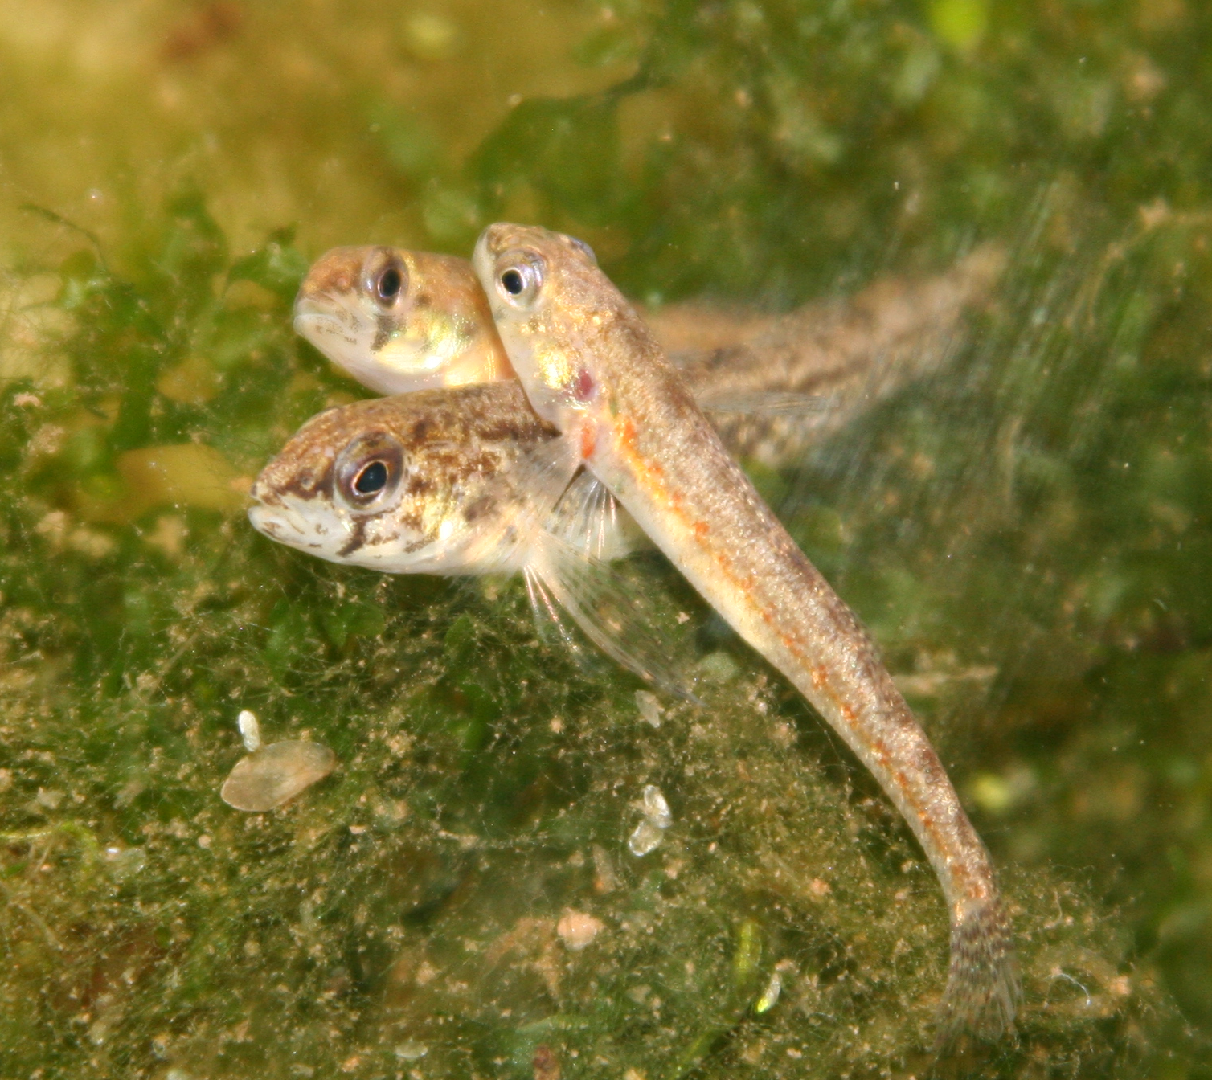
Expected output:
{"points": [[372, 478], [512, 282], [389, 283]]}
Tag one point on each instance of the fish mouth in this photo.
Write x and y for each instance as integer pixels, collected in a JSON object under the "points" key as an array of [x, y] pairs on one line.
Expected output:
{"points": [[274, 522], [324, 314], [265, 521], [341, 333], [276, 518]]}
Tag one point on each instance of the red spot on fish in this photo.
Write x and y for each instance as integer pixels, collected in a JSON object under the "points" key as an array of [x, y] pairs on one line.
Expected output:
{"points": [[584, 387], [701, 529]]}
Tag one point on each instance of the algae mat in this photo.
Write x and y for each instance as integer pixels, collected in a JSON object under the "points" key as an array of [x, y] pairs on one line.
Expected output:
{"points": [[1025, 533]]}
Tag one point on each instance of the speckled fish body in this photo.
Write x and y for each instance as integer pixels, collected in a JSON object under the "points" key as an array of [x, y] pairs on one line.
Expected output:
{"points": [[399, 321], [430, 482], [466, 480], [591, 368], [772, 385]]}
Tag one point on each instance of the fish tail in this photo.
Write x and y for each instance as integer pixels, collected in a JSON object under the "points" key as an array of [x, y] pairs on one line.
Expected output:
{"points": [[983, 988]]}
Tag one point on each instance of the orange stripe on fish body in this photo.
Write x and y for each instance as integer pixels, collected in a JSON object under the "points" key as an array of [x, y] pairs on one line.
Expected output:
{"points": [[589, 440]]}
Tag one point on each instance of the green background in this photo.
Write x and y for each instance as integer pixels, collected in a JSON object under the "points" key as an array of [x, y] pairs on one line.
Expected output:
{"points": [[1026, 535]]}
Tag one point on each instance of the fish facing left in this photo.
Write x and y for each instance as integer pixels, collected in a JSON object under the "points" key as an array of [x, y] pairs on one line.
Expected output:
{"points": [[466, 480], [400, 320], [429, 482]]}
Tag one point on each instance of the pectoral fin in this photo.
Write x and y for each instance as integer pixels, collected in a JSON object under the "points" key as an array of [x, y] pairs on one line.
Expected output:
{"points": [[607, 611], [792, 403], [590, 519]]}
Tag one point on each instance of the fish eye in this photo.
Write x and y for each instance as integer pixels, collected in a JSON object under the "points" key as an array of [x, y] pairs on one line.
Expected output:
{"points": [[385, 278], [372, 479], [369, 470], [388, 286], [520, 278]]}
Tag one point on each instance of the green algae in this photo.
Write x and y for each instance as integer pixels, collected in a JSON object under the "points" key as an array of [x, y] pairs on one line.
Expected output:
{"points": [[1026, 537]]}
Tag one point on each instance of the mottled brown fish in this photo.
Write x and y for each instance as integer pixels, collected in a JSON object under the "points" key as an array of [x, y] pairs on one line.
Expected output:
{"points": [[773, 385], [461, 481], [591, 367]]}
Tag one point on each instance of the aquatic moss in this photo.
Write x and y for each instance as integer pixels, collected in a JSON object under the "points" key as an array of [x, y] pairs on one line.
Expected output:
{"points": [[1026, 536], [405, 913]]}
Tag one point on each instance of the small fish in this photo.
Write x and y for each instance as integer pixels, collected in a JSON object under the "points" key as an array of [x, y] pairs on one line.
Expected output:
{"points": [[467, 480], [591, 368], [773, 385], [399, 321]]}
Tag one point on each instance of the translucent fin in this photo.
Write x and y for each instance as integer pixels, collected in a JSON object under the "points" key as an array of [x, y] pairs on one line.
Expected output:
{"points": [[983, 988], [604, 607], [769, 403], [590, 519], [551, 621]]}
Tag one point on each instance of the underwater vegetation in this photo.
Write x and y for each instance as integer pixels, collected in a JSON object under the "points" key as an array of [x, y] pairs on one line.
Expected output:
{"points": [[1025, 533]]}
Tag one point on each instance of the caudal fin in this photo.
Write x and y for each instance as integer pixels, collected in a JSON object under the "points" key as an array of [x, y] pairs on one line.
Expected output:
{"points": [[983, 989]]}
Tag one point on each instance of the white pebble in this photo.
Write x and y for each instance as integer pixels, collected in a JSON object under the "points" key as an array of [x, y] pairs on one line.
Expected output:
{"points": [[656, 809], [250, 729]]}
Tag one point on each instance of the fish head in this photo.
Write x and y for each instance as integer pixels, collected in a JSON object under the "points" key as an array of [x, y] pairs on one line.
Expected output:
{"points": [[427, 482], [555, 312], [399, 320]]}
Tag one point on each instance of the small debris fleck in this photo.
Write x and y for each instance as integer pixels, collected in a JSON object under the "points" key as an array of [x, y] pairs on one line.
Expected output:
{"points": [[656, 809], [546, 1063], [411, 1051], [645, 839], [604, 877], [650, 832], [650, 708], [577, 929], [718, 667], [124, 863], [770, 995]]}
